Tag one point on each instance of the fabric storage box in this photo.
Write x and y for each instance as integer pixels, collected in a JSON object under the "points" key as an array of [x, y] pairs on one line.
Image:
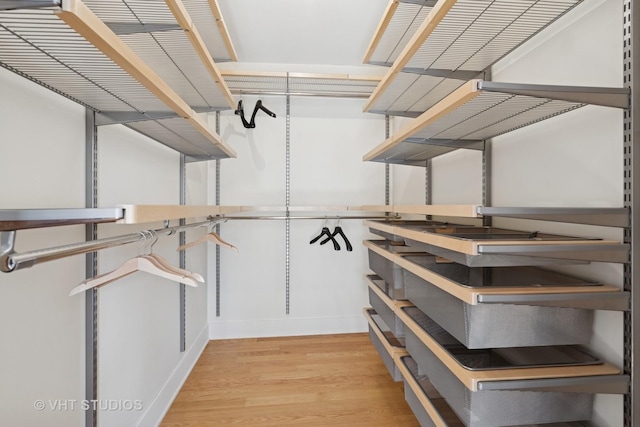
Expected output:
{"points": [[500, 325], [389, 271], [385, 343], [493, 408]]}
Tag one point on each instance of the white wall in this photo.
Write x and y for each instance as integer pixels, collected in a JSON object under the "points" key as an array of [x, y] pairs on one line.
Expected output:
{"points": [[138, 316], [327, 292], [571, 160], [42, 329], [139, 356]]}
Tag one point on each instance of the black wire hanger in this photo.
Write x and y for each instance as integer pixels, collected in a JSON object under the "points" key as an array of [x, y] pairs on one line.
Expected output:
{"points": [[252, 124]]}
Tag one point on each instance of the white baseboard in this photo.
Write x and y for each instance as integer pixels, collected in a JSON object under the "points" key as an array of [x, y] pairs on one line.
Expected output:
{"points": [[230, 329], [156, 411]]}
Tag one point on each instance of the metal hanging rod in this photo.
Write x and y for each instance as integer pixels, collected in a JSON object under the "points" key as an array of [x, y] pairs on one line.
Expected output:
{"points": [[12, 261], [273, 217]]}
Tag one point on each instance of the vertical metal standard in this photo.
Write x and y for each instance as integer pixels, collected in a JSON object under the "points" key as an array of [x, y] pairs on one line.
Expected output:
{"points": [[91, 270], [218, 224], [428, 191], [487, 170], [183, 257], [288, 201], [631, 129], [387, 168], [486, 179]]}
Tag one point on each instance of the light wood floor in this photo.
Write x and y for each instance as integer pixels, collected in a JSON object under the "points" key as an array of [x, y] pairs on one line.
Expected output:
{"points": [[328, 380]]}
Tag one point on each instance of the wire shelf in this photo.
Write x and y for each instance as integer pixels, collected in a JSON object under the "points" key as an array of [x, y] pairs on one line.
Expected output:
{"points": [[169, 53], [213, 36], [178, 134], [482, 110], [471, 36], [403, 22], [40, 46], [301, 84]]}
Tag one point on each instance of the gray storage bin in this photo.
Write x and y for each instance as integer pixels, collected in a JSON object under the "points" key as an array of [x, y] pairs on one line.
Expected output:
{"points": [[445, 411], [494, 408], [386, 357], [499, 325], [390, 272], [395, 325]]}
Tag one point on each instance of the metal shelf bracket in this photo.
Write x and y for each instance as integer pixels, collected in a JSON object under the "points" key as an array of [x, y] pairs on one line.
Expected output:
{"points": [[121, 28], [28, 4], [607, 97], [7, 243]]}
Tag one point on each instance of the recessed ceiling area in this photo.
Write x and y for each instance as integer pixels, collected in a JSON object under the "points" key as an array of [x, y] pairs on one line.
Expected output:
{"points": [[318, 32]]}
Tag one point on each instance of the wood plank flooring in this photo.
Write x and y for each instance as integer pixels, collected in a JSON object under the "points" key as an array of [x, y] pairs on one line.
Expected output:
{"points": [[328, 380]]}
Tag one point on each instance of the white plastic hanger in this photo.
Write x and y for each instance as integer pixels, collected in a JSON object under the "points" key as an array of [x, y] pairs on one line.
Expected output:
{"points": [[152, 264], [164, 264], [209, 237]]}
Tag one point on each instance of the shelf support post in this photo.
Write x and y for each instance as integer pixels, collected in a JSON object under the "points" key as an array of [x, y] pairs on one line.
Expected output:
{"points": [[288, 201], [631, 130], [387, 167], [183, 256], [486, 180], [218, 280], [91, 268]]}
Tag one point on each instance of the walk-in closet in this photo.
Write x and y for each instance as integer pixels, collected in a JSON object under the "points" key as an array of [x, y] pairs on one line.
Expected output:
{"points": [[319, 213]]}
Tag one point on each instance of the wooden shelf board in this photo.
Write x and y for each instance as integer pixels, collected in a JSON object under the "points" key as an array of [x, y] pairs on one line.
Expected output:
{"points": [[140, 214], [464, 211], [470, 295], [137, 214], [222, 27]]}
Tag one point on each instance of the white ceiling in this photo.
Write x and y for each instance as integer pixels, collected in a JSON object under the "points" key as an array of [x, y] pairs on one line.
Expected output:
{"points": [[312, 32]]}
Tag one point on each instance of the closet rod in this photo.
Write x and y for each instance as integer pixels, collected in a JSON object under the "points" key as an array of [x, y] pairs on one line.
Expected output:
{"points": [[224, 217], [16, 261]]}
